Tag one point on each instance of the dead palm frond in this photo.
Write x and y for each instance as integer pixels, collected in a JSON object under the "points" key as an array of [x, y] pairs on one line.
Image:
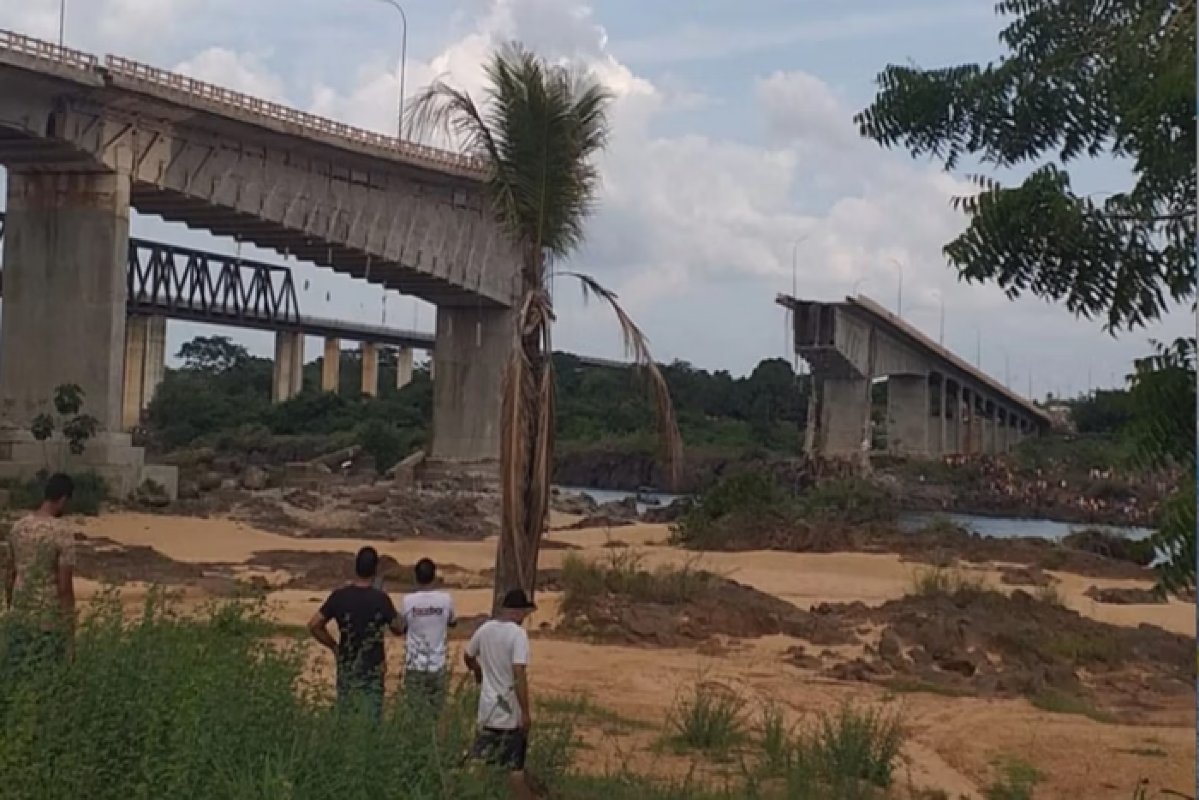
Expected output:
{"points": [[537, 130]]}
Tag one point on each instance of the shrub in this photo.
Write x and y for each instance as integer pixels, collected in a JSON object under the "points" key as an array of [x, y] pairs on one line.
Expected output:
{"points": [[848, 500], [742, 506], [91, 492], [1016, 781], [710, 717], [854, 745], [928, 581], [620, 572]]}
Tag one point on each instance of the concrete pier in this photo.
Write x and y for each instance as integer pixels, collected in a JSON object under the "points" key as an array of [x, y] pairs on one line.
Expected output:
{"points": [[145, 365], [908, 415], [331, 366], [403, 367], [471, 352], [289, 366], [370, 369]]}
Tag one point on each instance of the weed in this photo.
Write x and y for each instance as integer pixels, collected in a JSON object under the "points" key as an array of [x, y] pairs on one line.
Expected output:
{"points": [[774, 739], [1016, 781], [928, 581], [1058, 702], [621, 572], [710, 718], [854, 745]]}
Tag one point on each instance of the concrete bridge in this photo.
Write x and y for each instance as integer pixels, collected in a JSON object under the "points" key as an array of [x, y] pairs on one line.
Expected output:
{"points": [[84, 140], [937, 404]]}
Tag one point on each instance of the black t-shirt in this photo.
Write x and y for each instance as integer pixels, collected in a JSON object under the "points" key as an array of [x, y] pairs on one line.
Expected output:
{"points": [[361, 613]]}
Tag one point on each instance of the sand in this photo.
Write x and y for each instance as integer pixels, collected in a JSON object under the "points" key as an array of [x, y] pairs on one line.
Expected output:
{"points": [[955, 742]]}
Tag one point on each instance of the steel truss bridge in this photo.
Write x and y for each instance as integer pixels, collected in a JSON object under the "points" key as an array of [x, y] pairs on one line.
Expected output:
{"points": [[198, 286]]}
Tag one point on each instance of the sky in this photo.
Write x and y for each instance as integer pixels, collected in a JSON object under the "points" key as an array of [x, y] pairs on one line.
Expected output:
{"points": [[735, 170]]}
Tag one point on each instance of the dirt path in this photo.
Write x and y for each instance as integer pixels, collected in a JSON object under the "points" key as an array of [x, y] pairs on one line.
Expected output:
{"points": [[955, 742]]}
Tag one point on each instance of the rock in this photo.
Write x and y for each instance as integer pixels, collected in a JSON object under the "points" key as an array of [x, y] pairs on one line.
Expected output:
{"points": [[151, 494], [371, 495], [254, 478], [890, 649], [210, 481], [619, 509], [1024, 576], [1125, 597], [303, 499], [573, 503], [228, 484], [667, 513], [188, 490]]}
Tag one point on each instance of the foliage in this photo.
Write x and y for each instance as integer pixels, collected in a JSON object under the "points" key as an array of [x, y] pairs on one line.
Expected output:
{"points": [[929, 581], [1016, 781], [848, 500], [1076, 83], [91, 492], [213, 355], [76, 427], [1163, 433], [538, 132], [383, 443], [741, 504], [1104, 412]]}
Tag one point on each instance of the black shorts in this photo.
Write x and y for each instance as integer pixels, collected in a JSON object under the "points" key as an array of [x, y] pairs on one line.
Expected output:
{"points": [[501, 748]]}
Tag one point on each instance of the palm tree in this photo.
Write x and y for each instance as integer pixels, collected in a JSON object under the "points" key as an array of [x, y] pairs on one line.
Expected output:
{"points": [[537, 131]]}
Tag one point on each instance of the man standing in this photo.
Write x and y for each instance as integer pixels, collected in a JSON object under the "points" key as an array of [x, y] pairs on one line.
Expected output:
{"points": [[361, 612], [40, 584], [498, 656], [427, 615]]}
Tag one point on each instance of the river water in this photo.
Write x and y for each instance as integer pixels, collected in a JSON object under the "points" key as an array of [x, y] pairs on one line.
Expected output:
{"points": [[997, 527]]}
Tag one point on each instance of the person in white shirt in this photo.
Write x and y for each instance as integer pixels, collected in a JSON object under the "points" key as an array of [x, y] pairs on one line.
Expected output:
{"points": [[427, 616], [498, 656]]}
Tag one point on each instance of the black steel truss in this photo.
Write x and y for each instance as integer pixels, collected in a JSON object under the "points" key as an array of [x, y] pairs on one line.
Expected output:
{"points": [[194, 284]]}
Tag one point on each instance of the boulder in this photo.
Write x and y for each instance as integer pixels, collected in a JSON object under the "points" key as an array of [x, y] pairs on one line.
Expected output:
{"points": [[210, 481], [151, 494], [188, 490], [254, 478]]}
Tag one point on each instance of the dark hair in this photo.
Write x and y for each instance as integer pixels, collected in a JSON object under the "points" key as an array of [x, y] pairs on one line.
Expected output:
{"points": [[58, 487], [425, 571], [366, 564]]}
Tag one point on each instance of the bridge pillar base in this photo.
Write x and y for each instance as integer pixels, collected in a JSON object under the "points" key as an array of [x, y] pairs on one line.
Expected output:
{"points": [[331, 366], [370, 369], [289, 366], [112, 456], [471, 352], [66, 246]]}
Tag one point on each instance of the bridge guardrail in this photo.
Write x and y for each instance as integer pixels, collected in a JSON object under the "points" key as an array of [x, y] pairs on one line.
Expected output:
{"points": [[46, 51], [202, 90]]}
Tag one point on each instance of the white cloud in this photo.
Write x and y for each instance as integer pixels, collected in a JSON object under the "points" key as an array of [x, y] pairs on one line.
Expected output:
{"points": [[242, 72]]}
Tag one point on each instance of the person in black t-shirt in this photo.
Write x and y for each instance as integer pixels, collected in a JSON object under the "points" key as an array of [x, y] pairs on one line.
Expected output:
{"points": [[361, 612]]}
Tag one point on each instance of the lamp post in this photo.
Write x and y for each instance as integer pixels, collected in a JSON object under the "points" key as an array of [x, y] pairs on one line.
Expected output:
{"points": [[941, 326], [899, 293], [403, 62], [62, 22]]}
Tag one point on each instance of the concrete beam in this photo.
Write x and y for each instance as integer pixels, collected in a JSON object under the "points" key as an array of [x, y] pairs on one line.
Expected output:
{"points": [[838, 425], [472, 352], [331, 366], [370, 369], [65, 247]]}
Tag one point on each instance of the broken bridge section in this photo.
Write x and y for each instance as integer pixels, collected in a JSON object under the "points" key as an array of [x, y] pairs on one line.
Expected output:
{"points": [[937, 404]]}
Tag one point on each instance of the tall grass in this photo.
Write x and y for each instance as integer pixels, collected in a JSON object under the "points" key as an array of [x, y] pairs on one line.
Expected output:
{"points": [[709, 717], [622, 572], [204, 707]]}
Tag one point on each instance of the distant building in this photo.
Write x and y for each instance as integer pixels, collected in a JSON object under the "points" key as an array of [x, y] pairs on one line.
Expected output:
{"points": [[1061, 416]]}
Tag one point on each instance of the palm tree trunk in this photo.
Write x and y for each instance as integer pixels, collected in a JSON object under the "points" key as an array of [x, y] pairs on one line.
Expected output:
{"points": [[527, 446]]}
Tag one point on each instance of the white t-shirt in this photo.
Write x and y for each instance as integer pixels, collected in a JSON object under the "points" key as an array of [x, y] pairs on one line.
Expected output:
{"points": [[499, 645], [427, 615]]}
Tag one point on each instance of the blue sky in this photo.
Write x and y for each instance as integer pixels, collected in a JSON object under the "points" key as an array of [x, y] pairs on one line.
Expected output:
{"points": [[732, 140]]}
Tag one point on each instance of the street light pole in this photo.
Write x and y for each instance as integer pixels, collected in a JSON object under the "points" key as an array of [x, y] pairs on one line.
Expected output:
{"points": [[62, 22], [403, 61], [941, 326]]}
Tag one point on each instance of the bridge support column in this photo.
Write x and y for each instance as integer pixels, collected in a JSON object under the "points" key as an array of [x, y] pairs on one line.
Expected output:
{"points": [[403, 367], [289, 366], [331, 366], [839, 423], [471, 353], [907, 414], [145, 363], [990, 423], [370, 369], [66, 248]]}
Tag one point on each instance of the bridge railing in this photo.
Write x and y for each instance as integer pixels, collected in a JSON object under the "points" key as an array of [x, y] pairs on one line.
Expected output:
{"points": [[46, 51], [219, 95]]}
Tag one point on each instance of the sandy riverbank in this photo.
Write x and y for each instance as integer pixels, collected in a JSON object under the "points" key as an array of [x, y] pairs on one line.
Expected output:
{"points": [[955, 741]]}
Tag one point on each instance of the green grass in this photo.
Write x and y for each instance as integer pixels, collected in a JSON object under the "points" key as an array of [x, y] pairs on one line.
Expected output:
{"points": [[709, 717], [1016, 781], [929, 581], [621, 572], [1059, 702], [91, 492]]}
